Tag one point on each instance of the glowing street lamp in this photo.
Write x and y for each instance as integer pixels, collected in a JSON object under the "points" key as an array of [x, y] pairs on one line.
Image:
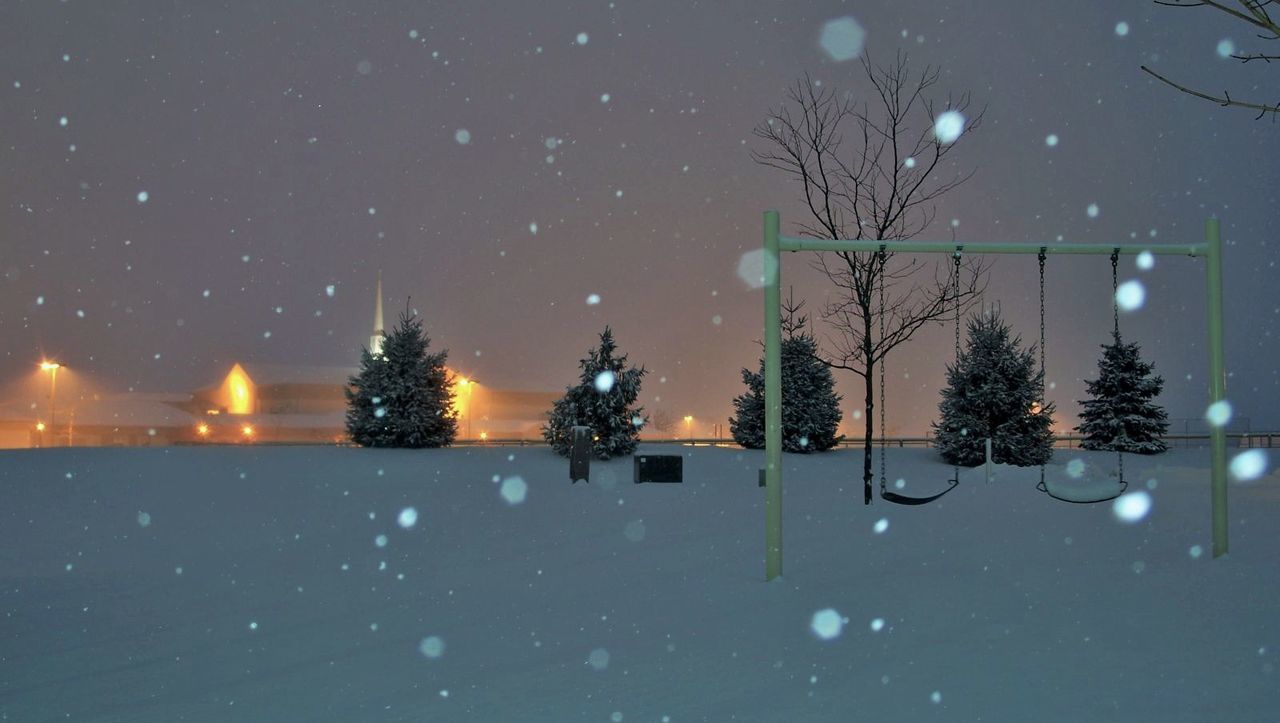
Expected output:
{"points": [[203, 430], [247, 431], [468, 384], [688, 423], [52, 368]]}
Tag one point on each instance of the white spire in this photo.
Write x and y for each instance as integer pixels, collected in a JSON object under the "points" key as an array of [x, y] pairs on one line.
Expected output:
{"points": [[375, 341]]}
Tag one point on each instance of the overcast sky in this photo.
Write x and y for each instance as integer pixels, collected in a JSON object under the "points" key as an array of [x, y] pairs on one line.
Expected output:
{"points": [[288, 151]]}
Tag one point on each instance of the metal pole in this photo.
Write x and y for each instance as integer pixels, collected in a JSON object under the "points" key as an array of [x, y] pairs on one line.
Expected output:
{"points": [[1217, 386], [789, 243], [772, 398], [53, 405]]}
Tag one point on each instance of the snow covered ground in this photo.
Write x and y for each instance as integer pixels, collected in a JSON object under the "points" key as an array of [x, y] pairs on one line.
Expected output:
{"points": [[252, 584]]}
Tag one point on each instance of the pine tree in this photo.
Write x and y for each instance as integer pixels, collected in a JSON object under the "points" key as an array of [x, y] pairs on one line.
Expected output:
{"points": [[1121, 415], [602, 400], [810, 406], [994, 390], [402, 397]]}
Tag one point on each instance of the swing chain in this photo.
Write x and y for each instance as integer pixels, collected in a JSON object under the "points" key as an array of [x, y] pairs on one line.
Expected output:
{"points": [[1115, 316], [1115, 304], [956, 294], [884, 443], [1042, 257], [955, 285]]}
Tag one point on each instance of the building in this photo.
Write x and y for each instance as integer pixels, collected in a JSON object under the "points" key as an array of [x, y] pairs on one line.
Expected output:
{"points": [[250, 403]]}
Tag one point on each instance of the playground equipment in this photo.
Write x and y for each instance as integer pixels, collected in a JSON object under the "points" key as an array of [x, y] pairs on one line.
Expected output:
{"points": [[954, 482], [1054, 488], [775, 243]]}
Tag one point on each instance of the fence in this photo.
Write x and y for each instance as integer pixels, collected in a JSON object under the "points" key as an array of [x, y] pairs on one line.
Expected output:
{"points": [[1234, 439]]}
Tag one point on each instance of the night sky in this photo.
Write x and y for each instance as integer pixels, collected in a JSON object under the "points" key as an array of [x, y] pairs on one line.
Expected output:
{"points": [[288, 147]]}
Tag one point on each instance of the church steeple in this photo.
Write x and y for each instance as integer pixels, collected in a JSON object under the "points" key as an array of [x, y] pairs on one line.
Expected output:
{"points": [[375, 341]]}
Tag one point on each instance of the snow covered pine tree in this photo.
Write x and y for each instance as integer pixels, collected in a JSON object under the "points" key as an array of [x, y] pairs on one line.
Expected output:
{"points": [[1120, 414], [403, 396], [601, 400], [810, 406], [994, 391]]}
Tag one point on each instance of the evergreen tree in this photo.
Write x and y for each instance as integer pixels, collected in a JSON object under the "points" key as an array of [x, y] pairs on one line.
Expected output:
{"points": [[994, 391], [402, 397], [810, 406], [602, 400], [1121, 415]]}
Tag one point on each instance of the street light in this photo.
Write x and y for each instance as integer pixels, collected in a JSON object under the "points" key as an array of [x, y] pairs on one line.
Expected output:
{"points": [[52, 368], [688, 422], [468, 384]]}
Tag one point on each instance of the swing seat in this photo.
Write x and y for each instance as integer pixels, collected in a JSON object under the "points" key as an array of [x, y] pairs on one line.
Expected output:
{"points": [[898, 499], [1087, 495]]}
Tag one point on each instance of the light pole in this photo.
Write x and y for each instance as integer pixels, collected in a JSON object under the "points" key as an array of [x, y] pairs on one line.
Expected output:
{"points": [[688, 423], [468, 384], [52, 368]]}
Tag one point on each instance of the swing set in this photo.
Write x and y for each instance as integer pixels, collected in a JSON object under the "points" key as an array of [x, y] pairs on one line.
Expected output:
{"points": [[775, 243]]}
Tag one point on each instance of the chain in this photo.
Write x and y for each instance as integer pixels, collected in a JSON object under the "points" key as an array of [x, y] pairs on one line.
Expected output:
{"points": [[883, 440], [1042, 257], [1115, 304], [1115, 316], [956, 283]]}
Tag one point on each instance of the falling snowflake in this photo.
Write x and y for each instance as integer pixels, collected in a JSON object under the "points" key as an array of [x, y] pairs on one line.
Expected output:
{"points": [[408, 518], [1131, 507], [948, 126], [514, 490], [431, 646], [604, 381], [1250, 465], [1130, 295], [842, 39], [1218, 413], [827, 624]]}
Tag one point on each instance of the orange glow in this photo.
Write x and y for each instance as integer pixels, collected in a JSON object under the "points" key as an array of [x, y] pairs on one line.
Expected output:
{"points": [[49, 366], [484, 436], [212, 411], [39, 426], [203, 429], [247, 430], [237, 393]]}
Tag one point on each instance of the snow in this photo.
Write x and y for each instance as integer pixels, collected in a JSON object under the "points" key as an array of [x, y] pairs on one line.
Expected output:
{"points": [[948, 127], [842, 39], [993, 603]]}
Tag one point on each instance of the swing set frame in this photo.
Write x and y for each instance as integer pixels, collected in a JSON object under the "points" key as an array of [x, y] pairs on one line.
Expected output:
{"points": [[775, 243]]}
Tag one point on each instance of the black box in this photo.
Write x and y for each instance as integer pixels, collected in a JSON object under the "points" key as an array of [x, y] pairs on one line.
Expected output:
{"points": [[659, 468], [580, 455]]}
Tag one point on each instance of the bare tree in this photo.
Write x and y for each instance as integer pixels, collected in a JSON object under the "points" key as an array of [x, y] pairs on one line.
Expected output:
{"points": [[662, 421], [883, 189], [1254, 12]]}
